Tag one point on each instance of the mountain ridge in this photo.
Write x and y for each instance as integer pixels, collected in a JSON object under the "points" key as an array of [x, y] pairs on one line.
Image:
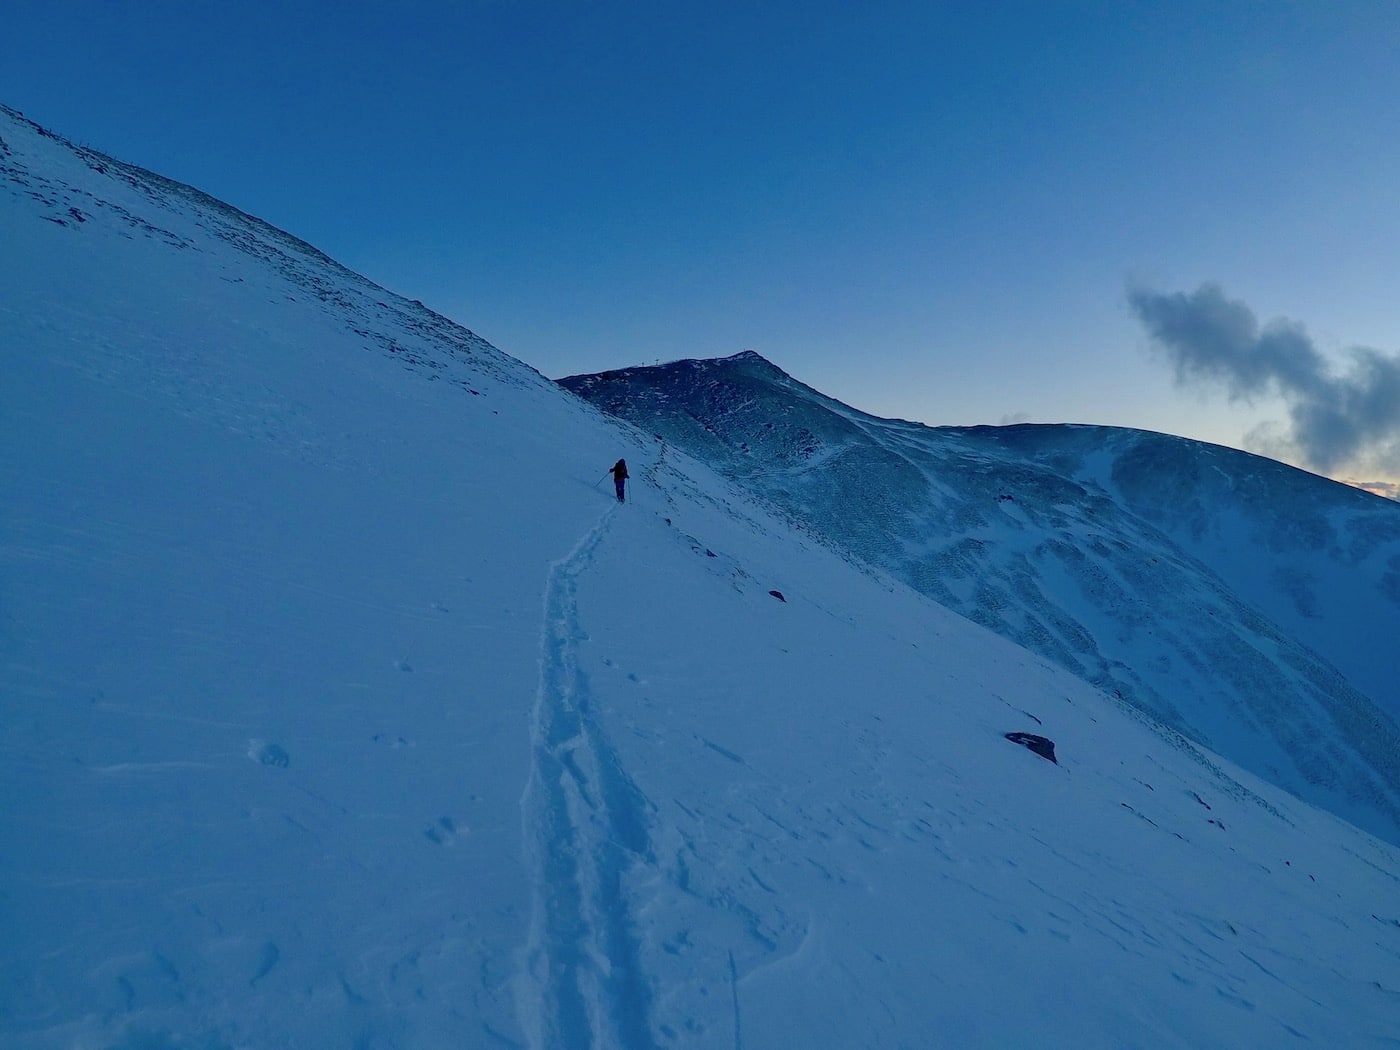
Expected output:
{"points": [[1077, 541]]}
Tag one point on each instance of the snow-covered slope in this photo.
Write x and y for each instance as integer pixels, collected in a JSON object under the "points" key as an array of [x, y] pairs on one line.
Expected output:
{"points": [[1250, 605], [344, 708]]}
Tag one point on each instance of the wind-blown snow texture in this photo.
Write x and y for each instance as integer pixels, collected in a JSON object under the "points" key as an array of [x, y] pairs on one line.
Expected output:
{"points": [[1247, 604], [344, 707]]}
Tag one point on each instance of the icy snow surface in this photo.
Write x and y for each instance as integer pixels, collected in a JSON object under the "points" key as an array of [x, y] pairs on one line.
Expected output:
{"points": [[344, 707]]}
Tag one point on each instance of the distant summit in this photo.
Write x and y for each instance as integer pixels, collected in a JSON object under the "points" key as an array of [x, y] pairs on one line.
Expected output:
{"points": [[747, 355], [745, 363]]}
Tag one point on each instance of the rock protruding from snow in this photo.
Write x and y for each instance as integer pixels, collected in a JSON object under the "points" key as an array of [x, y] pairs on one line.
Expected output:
{"points": [[1042, 746]]}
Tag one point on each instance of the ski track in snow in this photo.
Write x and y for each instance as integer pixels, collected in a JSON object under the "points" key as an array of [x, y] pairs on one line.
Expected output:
{"points": [[585, 831]]}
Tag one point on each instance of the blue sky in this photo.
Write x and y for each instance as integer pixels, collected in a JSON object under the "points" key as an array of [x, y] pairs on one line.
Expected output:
{"points": [[928, 210]]}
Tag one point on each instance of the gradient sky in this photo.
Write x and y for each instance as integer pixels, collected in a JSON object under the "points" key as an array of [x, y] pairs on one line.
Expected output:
{"points": [[928, 210]]}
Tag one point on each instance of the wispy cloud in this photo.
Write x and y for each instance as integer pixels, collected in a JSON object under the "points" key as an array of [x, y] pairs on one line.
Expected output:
{"points": [[1335, 419]]}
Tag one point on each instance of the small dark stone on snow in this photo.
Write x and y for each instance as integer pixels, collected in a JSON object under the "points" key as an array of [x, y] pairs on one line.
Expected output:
{"points": [[1042, 746], [778, 595]]}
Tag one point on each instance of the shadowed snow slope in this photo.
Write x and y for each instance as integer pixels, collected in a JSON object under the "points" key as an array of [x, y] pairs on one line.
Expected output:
{"points": [[1247, 604], [344, 708]]}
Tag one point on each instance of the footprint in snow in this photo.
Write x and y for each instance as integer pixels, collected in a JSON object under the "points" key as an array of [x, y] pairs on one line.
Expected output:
{"points": [[265, 754], [444, 832]]}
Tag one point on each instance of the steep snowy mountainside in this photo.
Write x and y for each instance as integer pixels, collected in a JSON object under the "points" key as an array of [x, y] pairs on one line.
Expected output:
{"points": [[344, 707], [100, 201], [265, 664], [1320, 559], [1245, 603]]}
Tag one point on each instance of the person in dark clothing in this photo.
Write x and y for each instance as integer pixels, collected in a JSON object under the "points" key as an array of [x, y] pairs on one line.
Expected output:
{"points": [[619, 473]]}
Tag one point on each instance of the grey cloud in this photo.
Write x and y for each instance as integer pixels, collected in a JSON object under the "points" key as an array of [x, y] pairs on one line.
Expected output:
{"points": [[1334, 419]]}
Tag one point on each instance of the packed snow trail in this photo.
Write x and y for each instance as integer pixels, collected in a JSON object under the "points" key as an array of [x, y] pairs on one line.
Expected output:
{"points": [[585, 830]]}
